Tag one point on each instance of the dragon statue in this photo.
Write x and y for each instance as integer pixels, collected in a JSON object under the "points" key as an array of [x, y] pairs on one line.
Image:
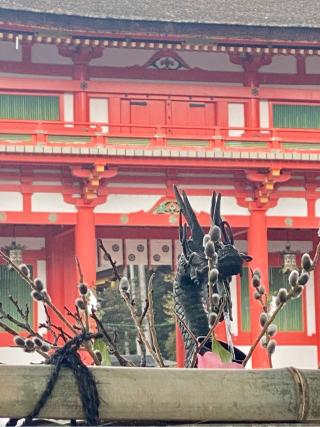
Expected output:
{"points": [[190, 288]]}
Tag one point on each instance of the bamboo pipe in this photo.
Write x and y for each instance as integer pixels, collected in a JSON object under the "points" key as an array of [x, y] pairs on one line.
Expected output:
{"points": [[160, 394]]}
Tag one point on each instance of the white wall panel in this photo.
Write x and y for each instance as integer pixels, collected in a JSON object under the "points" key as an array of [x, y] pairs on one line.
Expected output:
{"points": [[115, 249], [289, 206], [11, 201], [136, 251], [236, 118], [8, 52], [264, 114], [30, 243], [48, 54], [281, 64], [68, 107], [303, 357], [127, 203], [50, 202], [229, 205], [16, 356], [312, 65], [209, 61]]}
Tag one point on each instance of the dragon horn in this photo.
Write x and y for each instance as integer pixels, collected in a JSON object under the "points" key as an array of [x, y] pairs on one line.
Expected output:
{"points": [[190, 216]]}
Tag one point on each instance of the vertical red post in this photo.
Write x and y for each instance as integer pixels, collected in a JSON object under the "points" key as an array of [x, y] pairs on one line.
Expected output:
{"points": [[85, 243], [81, 98], [258, 249], [180, 353]]}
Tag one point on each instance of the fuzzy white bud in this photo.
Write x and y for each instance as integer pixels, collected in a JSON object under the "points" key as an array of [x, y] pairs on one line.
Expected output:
{"points": [[256, 281], [215, 233], [19, 341], [209, 249], [271, 346], [215, 299], [272, 330], [303, 278], [24, 270], [38, 284], [213, 275], [282, 295], [306, 262], [212, 318], [206, 239], [293, 278], [263, 318], [124, 285], [80, 304]]}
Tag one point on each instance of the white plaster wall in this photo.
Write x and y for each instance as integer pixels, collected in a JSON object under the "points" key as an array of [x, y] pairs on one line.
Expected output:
{"points": [[68, 107], [281, 64], [264, 114], [276, 246], [127, 203], [229, 205], [289, 206], [99, 112], [50, 202], [30, 243], [245, 349], [42, 274], [8, 52], [303, 356], [48, 54], [114, 57], [311, 309], [317, 208], [236, 118], [312, 65], [209, 61], [35, 76], [11, 201], [16, 356]]}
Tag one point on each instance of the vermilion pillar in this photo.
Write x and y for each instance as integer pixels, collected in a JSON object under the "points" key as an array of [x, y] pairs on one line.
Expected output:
{"points": [[85, 243], [258, 249], [180, 353], [81, 98]]}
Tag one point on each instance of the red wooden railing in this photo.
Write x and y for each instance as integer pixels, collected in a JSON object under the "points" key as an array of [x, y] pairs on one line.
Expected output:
{"points": [[152, 136]]}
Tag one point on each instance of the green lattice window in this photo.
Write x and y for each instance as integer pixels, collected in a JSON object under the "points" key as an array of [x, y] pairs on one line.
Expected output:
{"points": [[12, 284], [245, 302], [29, 107], [290, 317], [296, 116]]}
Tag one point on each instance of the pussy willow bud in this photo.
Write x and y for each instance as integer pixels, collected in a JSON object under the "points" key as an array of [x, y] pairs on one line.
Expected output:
{"points": [[45, 347], [282, 295], [264, 341], [45, 295], [209, 249], [256, 281], [206, 239], [38, 283], [277, 301], [80, 304], [297, 291], [272, 330], [19, 341], [124, 285], [29, 344], [37, 342], [36, 295], [215, 233], [306, 262], [24, 270], [212, 318], [257, 272], [213, 275], [215, 299], [98, 355], [256, 295], [263, 318], [261, 290], [303, 278], [271, 346], [293, 278], [83, 289]]}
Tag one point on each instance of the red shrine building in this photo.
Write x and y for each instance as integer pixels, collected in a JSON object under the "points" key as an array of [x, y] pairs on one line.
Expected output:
{"points": [[105, 105]]}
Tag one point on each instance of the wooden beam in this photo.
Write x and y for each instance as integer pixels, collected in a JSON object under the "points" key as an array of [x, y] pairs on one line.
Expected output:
{"points": [[155, 394]]}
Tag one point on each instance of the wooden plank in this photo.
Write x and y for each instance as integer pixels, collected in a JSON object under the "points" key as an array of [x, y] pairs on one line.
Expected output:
{"points": [[155, 394]]}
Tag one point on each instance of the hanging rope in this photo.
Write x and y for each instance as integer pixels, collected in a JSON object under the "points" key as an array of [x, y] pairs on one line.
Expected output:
{"points": [[68, 357]]}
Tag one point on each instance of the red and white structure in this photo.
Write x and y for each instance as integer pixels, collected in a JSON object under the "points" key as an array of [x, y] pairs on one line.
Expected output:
{"points": [[99, 119]]}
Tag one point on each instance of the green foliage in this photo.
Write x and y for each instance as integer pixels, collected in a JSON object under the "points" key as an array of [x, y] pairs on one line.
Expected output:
{"points": [[101, 346], [218, 349]]}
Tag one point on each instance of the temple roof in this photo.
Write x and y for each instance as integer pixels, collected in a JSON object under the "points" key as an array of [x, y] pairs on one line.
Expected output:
{"points": [[259, 13]]}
